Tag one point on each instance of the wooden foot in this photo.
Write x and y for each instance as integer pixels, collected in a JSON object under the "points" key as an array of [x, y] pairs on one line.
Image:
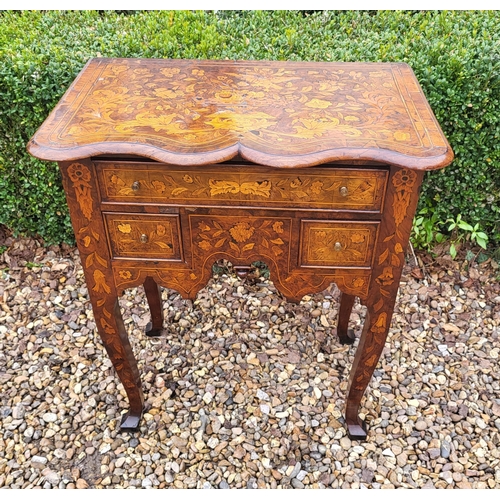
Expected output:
{"points": [[130, 421], [153, 332], [346, 336], [153, 295], [356, 430]]}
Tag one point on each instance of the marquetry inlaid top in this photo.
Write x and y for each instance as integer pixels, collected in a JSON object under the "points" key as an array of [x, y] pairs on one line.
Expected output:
{"points": [[285, 114]]}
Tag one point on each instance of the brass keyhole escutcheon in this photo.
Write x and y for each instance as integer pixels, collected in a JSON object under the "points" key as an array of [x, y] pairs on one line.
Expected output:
{"points": [[344, 191], [144, 238], [338, 246], [136, 185]]}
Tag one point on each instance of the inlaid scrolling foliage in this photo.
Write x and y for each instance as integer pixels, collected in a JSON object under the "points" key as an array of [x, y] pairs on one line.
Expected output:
{"points": [[128, 236], [393, 254], [403, 182], [97, 270], [186, 106], [239, 238], [343, 188], [390, 260], [185, 281], [97, 266], [80, 177], [340, 246], [300, 284], [262, 188]]}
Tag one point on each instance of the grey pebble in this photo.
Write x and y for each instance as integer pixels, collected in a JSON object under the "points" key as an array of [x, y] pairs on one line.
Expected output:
{"points": [[298, 485], [252, 484], [411, 411], [367, 475], [262, 395], [445, 449], [301, 475], [28, 433], [5, 411], [147, 483], [223, 485], [18, 412], [295, 470]]}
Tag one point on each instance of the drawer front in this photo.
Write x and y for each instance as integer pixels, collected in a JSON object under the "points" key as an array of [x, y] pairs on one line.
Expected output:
{"points": [[337, 244], [314, 188], [144, 236], [242, 237]]}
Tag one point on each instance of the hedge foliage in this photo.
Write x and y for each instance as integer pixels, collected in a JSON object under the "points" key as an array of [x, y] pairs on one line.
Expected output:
{"points": [[455, 55]]}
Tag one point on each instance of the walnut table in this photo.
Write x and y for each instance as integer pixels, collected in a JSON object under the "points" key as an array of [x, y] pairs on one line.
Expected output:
{"points": [[313, 168]]}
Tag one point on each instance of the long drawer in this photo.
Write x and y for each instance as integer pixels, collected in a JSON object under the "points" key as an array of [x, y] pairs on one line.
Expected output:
{"points": [[332, 188]]}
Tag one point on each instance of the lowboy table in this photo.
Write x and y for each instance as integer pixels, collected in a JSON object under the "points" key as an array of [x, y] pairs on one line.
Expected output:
{"points": [[313, 168]]}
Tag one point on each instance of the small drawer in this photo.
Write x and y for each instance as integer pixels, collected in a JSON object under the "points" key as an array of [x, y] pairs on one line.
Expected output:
{"points": [[337, 244], [318, 188], [242, 237], [144, 236]]}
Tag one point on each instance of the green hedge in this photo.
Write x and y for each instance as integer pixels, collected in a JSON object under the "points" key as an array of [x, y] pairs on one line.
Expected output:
{"points": [[455, 55]]}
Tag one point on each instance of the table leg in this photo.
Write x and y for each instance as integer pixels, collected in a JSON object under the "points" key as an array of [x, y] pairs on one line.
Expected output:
{"points": [[79, 180], [371, 345], [115, 339], [346, 336], [153, 295], [395, 228]]}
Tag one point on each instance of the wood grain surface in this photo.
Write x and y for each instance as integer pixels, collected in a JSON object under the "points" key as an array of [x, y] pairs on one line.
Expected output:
{"points": [[284, 114]]}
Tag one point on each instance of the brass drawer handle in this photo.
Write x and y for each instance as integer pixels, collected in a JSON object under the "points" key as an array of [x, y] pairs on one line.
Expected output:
{"points": [[338, 246], [144, 238], [344, 191], [136, 185]]}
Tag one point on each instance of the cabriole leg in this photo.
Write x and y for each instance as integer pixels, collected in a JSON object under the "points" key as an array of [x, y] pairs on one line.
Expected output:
{"points": [[368, 353], [389, 260], [115, 339], [79, 181], [346, 336], [153, 295]]}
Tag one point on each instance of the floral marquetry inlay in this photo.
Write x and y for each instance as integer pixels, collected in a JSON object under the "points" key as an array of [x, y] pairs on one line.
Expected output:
{"points": [[188, 112], [337, 244], [144, 236], [80, 176], [267, 236], [323, 188]]}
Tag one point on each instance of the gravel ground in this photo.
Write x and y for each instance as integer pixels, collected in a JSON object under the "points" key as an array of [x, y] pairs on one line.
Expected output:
{"points": [[245, 390]]}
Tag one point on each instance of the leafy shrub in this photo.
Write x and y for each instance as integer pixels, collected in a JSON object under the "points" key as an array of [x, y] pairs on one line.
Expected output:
{"points": [[455, 56]]}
